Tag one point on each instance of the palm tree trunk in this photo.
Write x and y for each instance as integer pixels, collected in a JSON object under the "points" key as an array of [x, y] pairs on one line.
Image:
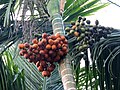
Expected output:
{"points": [[58, 27]]}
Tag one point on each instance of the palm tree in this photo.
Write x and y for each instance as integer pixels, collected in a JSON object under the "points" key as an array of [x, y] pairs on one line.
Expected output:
{"points": [[57, 23]]}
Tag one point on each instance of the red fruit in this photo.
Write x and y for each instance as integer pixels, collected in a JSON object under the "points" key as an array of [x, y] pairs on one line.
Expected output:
{"points": [[35, 51], [44, 35], [46, 56], [48, 46], [45, 73], [59, 46], [26, 55], [54, 47], [40, 43], [65, 41], [46, 51], [38, 57], [57, 58], [51, 52], [37, 63], [42, 52], [50, 41], [44, 41], [43, 63], [21, 46], [60, 53], [21, 53], [49, 59], [64, 48], [40, 68], [51, 68], [35, 41], [32, 57], [26, 45]]}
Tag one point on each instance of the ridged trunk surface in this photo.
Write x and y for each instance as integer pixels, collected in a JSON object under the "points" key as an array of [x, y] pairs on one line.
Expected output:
{"points": [[58, 27]]}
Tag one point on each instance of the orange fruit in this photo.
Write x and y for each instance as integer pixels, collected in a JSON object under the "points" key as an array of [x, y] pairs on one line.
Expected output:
{"points": [[53, 37], [50, 41], [35, 41], [57, 35], [56, 41], [54, 47], [76, 33], [35, 46], [48, 46], [73, 27], [44, 35], [63, 38], [21, 46], [45, 73]]}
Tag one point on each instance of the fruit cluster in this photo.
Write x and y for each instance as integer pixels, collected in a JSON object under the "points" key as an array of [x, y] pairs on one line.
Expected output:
{"points": [[45, 52], [85, 34]]}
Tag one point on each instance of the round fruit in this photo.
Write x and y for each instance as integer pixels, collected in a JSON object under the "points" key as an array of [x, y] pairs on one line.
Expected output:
{"points": [[35, 46], [73, 27], [64, 48], [88, 21], [44, 41], [40, 68], [50, 41], [21, 53], [76, 33], [26, 45], [44, 35], [40, 43], [48, 46], [60, 53], [51, 68], [21, 46], [46, 56], [62, 38], [51, 52], [45, 73], [57, 58], [56, 41], [53, 37], [42, 52], [59, 46], [26, 55], [32, 57], [35, 41], [37, 63], [54, 47], [43, 63], [57, 35]]}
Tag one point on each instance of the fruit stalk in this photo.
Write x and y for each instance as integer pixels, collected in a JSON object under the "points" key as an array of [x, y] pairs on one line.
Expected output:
{"points": [[58, 27]]}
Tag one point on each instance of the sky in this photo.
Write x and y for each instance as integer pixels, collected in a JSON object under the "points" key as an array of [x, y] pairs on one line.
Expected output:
{"points": [[108, 16]]}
